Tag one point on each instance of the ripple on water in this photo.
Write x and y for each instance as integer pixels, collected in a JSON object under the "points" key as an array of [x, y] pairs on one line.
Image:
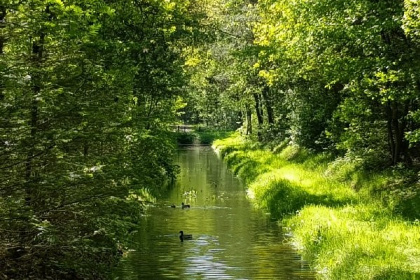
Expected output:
{"points": [[231, 240]]}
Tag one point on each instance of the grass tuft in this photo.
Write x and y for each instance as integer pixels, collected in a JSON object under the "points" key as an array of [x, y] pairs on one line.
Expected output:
{"points": [[357, 242]]}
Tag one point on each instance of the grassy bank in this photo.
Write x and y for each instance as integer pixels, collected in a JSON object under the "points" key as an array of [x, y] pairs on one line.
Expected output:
{"points": [[339, 217]]}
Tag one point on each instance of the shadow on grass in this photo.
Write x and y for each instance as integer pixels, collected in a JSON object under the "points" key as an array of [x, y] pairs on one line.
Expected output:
{"points": [[409, 208], [285, 198], [246, 168], [249, 170]]}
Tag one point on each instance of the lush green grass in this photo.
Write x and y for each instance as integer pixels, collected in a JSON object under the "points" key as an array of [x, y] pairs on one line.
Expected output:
{"points": [[338, 216], [361, 241], [207, 137]]}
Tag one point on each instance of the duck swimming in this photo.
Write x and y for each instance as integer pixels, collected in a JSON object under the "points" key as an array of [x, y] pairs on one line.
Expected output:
{"points": [[185, 205], [173, 206], [183, 236]]}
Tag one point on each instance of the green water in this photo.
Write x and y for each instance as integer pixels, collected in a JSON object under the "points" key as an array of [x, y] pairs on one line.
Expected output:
{"points": [[231, 240]]}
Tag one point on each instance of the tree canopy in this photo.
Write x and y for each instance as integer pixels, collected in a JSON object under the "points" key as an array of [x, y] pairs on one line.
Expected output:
{"points": [[89, 90], [327, 75]]}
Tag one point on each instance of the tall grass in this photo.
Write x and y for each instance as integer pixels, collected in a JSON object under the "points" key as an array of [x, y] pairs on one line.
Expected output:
{"points": [[360, 241], [328, 206]]}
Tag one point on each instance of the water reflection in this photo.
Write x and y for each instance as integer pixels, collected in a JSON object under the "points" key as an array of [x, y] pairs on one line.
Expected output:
{"points": [[231, 240]]}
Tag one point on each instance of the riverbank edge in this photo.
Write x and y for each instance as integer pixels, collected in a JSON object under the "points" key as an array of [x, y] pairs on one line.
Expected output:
{"points": [[328, 209], [199, 136]]}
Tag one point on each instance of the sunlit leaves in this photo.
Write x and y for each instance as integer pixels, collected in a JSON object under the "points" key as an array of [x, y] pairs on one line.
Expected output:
{"points": [[412, 19], [355, 48], [88, 92]]}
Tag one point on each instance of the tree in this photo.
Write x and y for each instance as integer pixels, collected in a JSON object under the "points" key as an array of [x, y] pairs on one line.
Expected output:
{"points": [[88, 92], [342, 51]]}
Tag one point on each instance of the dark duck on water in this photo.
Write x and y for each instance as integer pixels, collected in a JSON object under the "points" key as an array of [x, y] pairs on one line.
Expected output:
{"points": [[185, 205], [183, 236]]}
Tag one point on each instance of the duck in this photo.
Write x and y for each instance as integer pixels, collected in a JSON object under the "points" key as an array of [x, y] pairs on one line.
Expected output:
{"points": [[185, 205], [183, 236], [173, 206]]}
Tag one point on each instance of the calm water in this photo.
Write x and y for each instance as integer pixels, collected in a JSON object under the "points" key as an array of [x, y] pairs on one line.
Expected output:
{"points": [[231, 240]]}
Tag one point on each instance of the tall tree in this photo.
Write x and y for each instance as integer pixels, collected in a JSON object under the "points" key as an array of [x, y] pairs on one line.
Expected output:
{"points": [[88, 92], [355, 52]]}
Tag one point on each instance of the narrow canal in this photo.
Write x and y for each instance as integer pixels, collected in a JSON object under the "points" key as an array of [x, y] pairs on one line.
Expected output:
{"points": [[231, 239]]}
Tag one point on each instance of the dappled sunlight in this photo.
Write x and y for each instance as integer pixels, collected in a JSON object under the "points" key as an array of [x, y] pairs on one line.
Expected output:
{"points": [[357, 238], [291, 177], [346, 233]]}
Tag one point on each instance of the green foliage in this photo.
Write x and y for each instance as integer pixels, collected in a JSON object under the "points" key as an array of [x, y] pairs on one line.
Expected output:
{"points": [[326, 75], [340, 78], [88, 91], [200, 136], [208, 137], [185, 138], [411, 19], [346, 72], [221, 85]]}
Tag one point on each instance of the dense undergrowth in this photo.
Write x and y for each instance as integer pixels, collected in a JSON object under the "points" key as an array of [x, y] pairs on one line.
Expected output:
{"points": [[200, 136], [349, 223]]}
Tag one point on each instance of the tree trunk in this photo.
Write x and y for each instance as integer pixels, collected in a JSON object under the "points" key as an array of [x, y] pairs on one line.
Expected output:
{"points": [[37, 53], [248, 121], [396, 124], [391, 141], [3, 13], [2, 41], [260, 115], [36, 79], [268, 107], [403, 128]]}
